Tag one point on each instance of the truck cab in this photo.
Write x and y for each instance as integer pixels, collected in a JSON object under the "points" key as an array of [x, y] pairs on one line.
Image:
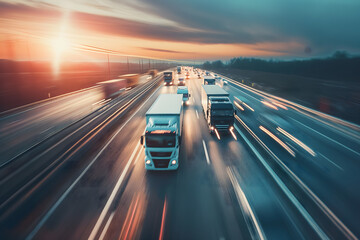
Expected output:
{"points": [[168, 78], [220, 113], [185, 94], [218, 109]]}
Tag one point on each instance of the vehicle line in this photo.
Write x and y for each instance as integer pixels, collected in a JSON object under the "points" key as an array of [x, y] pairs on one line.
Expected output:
{"points": [[163, 221], [283, 187], [107, 225], [112, 195], [197, 114], [66, 193], [339, 224], [206, 152], [330, 139], [244, 204]]}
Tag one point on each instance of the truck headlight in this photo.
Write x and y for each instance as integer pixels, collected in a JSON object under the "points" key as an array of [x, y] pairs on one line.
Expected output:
{"points": [[148, 162], [187, 102], [231, 128], [211, 128], [173, 162]]}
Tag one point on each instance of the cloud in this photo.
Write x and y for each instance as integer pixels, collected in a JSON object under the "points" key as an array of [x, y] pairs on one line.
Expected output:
{"points": [[164, 50], [323, 26]]}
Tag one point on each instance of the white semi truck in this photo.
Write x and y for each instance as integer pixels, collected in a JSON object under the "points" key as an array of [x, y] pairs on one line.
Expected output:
{"points": [[218, 109], [163, 130]]}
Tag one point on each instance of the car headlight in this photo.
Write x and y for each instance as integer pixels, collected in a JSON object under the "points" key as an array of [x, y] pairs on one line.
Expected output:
{"points": [[148, 162], [173, 162], [231, 128]]}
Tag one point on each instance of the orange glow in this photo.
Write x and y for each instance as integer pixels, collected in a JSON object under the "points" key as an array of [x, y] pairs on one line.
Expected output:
{"points": [[160, 131], [233, 134], [269, 105], [217, 134], [297, 141], [239, 106], [278, 141], [280, 105]]}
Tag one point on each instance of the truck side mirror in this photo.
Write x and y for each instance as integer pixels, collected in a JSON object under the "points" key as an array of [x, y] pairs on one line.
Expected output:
{"points": [[235, 112], [179, 140], [189, 95], [142, 140]]}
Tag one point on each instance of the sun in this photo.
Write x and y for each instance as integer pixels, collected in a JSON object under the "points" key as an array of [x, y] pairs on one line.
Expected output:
{"points": [[60, 44]]}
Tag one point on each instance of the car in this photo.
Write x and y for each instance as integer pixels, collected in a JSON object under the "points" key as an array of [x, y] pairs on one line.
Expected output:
{"points": [[181, 81]]}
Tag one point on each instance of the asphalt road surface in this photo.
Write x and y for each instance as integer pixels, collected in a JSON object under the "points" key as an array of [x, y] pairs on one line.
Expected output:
{"points": [[287, 173]]}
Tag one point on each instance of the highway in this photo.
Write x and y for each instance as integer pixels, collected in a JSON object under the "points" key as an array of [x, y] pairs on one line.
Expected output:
{"points": [[288, 172]]}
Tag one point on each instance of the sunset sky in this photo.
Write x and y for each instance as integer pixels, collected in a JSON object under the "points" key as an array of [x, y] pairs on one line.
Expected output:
{"points": [[186, 29]]}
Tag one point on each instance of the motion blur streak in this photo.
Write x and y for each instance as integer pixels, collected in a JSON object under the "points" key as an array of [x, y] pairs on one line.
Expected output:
{"points": [[239, 106], [280, 105], [269, 105], [217, 134], [242, 200], [163, 221], [282, 185], [297, 141], [233, 134], [129, 221], [112, 196], [248, 107], [278, 140]]}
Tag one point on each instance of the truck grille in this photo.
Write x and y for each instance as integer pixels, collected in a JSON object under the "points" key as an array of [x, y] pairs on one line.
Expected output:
{"points": [[161, 163], [160, 154]]}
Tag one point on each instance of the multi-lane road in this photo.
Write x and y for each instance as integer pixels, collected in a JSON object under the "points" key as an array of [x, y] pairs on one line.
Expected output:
{"points": [[288, 173]]}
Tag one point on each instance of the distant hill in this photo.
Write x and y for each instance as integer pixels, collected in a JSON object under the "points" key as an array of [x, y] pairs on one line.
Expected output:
{"points": [[339, 67]]}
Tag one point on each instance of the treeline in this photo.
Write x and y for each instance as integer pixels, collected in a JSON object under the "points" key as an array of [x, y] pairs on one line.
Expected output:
{"points": [[340, 66]]}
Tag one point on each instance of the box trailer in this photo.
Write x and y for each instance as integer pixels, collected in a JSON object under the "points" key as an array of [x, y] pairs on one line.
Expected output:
{"points": [[217, 107]]}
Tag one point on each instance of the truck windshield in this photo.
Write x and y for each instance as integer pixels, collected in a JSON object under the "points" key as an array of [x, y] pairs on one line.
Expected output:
{"points": [[160, 140], [222, 112]]}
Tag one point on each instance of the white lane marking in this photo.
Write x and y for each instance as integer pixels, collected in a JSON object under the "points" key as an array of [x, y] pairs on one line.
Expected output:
{"points": [[197, 114], [330, 139], [106, 226], [206, 152], [137, 157], [66, 193], [112, 196], [322, 155], [339, 224], [283, 187], [244, 203]]}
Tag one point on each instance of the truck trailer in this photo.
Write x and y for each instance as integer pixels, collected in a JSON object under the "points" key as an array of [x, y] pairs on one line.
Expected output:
{"points": [[163, 130], [209, 80], [218, 109]]}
